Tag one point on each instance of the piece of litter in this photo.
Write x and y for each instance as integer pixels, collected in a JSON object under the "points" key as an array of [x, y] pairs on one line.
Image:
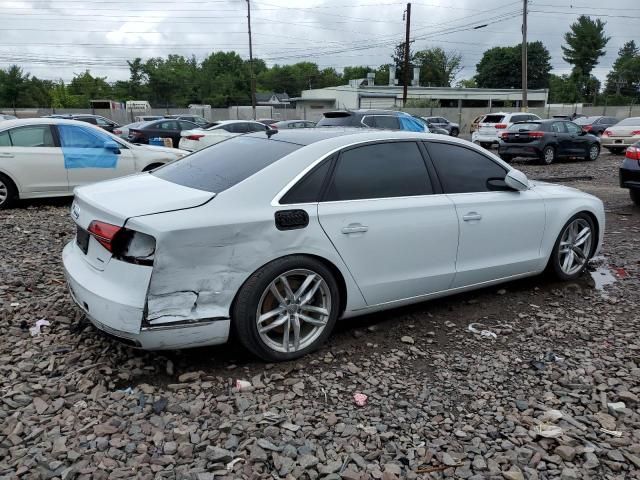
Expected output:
{"points": [[621, 273], [128, 391], [233, 462], [15, 304], [483, 333], [552, 357], [552, 416], [243, 385], [613, 433], [548, 431], [35, 330], [360, 399]]}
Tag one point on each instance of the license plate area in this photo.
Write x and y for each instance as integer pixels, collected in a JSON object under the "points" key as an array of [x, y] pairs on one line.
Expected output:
{"points": [[82, 239], [618, 141]]}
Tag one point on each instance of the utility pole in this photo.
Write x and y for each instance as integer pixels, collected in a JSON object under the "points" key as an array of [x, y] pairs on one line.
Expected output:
{"points": [[253, 79], [406, 56], [524, 105]]}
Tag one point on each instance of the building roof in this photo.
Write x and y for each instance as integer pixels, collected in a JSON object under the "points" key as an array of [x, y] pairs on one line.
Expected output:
{"points": [[264, 97]]}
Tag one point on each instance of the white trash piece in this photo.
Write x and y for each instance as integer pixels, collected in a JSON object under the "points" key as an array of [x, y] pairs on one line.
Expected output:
{"points": [[473, 328], [35, 330], [548, 431]]}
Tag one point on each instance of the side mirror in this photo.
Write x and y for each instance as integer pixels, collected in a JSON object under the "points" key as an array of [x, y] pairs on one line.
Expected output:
{"points": [[111, 146], [517, 180]]}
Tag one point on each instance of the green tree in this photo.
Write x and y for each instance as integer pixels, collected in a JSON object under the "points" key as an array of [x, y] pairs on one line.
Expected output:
{"points": [[13, 87], [467, 83], [585, 43], [437, 67], [62, 98], [563, 89], [137, 79], [352, 73], [624, 77], [223, 79], [501, 67], [172, 81], [87, 87], [398, 61]]}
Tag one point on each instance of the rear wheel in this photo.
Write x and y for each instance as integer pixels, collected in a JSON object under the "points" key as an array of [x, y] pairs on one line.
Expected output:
{"points": [[548, 155], [287, 309], [593, 153], [454, 132], [573, 247], [634, 193], [8, 192]]}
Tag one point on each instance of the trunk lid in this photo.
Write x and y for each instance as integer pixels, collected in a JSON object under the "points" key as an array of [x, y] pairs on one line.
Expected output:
{"points": [[623, 131]]}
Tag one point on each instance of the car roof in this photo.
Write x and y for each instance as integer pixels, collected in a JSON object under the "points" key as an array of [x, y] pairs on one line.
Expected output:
{"points": [[43, 121]]}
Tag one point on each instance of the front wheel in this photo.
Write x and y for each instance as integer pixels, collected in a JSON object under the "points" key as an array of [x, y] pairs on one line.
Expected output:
{"points": [[8, 192], [548, 155], [573, 247], [593, 153], [454, 132], [287, 308], [634, 193]]}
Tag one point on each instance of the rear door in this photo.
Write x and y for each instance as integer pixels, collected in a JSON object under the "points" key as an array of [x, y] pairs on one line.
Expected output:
{"points": [[562, 138], [380, 211], [500, 230], [32, 156], [86, 159]]}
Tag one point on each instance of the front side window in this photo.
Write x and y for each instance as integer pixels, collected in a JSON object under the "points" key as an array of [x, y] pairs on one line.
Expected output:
{"points": [[102, 122], [387, 122], [463, 170], [186, 125], [257, 127], [78, 137], [572, 128], [558, 127], [383, 170], [221, 166], [166, 126], [34, 136]]}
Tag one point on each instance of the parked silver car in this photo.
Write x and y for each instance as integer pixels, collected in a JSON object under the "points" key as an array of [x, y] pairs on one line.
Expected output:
{"points": [[441, 122]]}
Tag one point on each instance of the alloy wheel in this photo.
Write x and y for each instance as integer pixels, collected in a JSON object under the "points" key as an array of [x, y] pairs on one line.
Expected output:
{"points": [[575, 246], [4, 192], [293, 310], [594, 151], [549, 155]]}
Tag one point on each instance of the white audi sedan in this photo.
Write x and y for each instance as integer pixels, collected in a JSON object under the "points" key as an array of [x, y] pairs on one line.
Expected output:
{"points": [[49, 157], [275, 237], [197, 139]]}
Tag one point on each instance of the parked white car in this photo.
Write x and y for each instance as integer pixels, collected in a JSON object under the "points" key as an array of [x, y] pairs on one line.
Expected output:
{"points": [[49, 157], [281, 235], [192, 140], [493, 125], [623, 134]]}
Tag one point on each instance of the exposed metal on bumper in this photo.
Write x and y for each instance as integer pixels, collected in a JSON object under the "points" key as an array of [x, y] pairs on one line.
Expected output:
{"points": [[629, 178], [118, 311]]}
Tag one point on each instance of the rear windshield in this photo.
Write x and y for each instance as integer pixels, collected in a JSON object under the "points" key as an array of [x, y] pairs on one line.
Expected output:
{"points": [[633, 121], [493, 119], [585, 120], [337, 119], [224, 164], [525, 127]]}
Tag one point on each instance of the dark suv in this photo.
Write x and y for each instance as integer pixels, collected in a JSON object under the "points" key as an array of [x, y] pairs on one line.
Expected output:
{"points": [[383, 119], [102, 122]]}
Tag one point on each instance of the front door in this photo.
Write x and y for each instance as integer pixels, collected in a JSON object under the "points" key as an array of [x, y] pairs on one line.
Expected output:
{"points": [[86, 159], [577, 140], [32, 156], [397, 238], [500, 229]]}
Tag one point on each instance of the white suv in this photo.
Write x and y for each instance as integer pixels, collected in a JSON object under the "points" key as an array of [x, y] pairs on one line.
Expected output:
{"points": [[493, 124]]}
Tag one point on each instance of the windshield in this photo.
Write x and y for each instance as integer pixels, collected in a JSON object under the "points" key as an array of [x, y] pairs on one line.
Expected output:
{"points": [[525, 127], [633, 121], [225, 164]]}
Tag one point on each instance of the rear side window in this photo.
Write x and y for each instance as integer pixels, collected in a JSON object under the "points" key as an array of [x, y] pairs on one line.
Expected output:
{"points": [[336, 120], [492, 119], [34, 136], [520, 118], [383, 170], [308, 189], [387, 122], [463, 170], [5, 141], [221, 166]]}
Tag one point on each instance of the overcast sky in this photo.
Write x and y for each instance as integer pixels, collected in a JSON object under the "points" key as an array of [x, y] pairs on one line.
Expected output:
{"points": [[54, 39]]}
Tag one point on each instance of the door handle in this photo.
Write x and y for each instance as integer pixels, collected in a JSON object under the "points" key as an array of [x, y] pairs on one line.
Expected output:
{"points": [[471, 216], [354, 228]]}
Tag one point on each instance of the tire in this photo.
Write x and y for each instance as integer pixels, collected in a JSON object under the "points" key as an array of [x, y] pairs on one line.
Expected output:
{"points": [[616, 151], [571, 232], [634, 193], [593, 153], [256, 295], [8, 192], [548, 155], [505, 157], [454, 132]]}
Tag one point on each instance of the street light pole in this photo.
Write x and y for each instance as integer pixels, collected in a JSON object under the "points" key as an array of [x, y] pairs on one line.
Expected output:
{"points": [[253, 79], [524, 105], [406, 57]]}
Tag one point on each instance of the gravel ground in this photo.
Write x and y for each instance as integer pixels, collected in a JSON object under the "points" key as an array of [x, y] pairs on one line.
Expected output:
{"points": [[442, 402]]}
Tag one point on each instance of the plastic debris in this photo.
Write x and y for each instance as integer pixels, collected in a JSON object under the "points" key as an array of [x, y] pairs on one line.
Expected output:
{"points": [[621, 272], [243, 385], [613, 433], [548, 431], [232, 463], [552, 357], [35, 330], [360, 399], [616, 407], [15, 304], [128, 391], [474, 328]]}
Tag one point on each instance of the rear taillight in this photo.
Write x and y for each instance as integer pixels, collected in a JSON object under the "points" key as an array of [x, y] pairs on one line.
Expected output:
{"points": [[536, 134], [635, 132], [117, 132], [606, 133], [501, 126], [587, 128], [104, 233], [633, 153], [194, 137], [504, 135], [124, 244]]}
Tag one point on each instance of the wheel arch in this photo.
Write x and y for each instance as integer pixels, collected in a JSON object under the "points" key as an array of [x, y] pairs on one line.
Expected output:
{"points": [[15, 184], [152, 165]]}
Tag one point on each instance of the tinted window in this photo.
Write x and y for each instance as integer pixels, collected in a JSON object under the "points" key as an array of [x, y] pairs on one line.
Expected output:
{"points": [[572, 127], [165, 126], [308, 189], [379, 171], [90, 120], [36, 136], [369, 121], [186, 125], [585, 120], [558, 127], [256, 127], [102, 122], [336, 121], [224, 164], [387, 122], [611, 121], [462, 170], [525, 127], [492, 119], [519, 118]]}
